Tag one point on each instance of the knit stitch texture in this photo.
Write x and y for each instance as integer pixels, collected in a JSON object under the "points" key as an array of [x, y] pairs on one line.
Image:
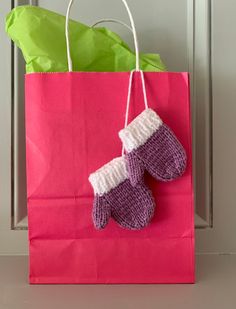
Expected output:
{"points": [[160, 153], [132, 207], [109, 176]]}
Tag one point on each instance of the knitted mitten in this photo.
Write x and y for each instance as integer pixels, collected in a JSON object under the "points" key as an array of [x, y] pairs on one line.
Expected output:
{"points": [[131, 207], [151, 145]]}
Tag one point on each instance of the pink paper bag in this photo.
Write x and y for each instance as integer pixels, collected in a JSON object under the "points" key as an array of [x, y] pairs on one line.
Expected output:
{"points": [[72, 121], [72, 125]]}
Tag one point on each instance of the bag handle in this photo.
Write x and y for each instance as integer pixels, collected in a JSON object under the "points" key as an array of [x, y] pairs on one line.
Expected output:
{"points": [[117, 21], [112, 20], [137, 68]]}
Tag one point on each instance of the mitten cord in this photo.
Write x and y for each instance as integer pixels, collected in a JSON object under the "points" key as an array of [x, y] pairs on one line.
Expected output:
{"points": [[129, 96]]}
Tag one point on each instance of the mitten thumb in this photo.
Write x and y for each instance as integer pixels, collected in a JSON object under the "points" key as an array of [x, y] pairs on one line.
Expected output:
{"points": [[101, 212], [135, 168]]}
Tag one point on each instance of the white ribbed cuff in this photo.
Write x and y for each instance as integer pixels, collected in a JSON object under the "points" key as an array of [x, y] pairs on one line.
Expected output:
{"points": [[109, 176], [140, 129]]}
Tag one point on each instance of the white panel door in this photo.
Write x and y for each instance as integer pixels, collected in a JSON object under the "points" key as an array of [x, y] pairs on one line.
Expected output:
{"points": [[190, 36]]}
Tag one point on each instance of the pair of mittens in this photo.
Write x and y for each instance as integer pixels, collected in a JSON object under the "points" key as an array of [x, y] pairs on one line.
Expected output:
{"points": [[152, 146], [120, 191], [132, 207]]}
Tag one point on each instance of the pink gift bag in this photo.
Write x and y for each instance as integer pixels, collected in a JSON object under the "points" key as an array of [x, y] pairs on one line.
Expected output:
{"points": [[72, 125]]}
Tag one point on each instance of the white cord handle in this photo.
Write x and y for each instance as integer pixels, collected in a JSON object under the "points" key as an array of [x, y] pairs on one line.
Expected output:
{"points": [[129, 97], [132, 27], [112, 20]]}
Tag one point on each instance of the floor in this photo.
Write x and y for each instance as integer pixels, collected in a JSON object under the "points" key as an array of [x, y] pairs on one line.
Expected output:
{"points": [[215, 288]]}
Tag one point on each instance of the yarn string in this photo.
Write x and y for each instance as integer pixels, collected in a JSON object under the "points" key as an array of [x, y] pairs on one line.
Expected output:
{"points": [[129, 97]]}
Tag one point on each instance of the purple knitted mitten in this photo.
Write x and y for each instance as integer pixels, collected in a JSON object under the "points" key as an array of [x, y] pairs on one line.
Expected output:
{"points": [[131, 207], [152, 146]]}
